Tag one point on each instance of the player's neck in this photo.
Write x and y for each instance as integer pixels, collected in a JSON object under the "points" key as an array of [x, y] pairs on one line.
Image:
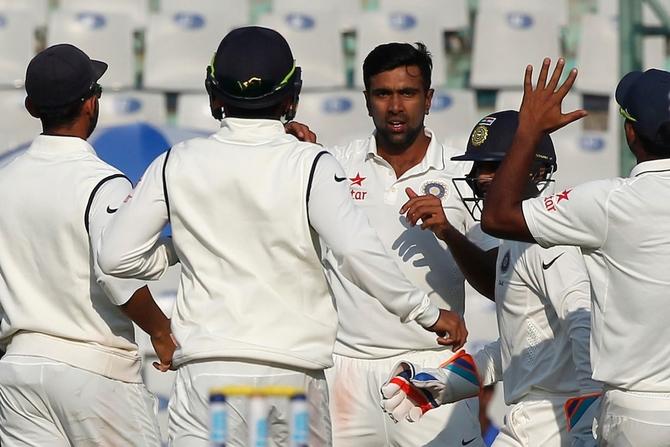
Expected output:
{"points": [[402, 159]]}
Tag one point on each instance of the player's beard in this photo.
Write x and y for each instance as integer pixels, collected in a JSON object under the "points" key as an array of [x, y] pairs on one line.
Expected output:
{"points": [[398, 142], [93, 122]]}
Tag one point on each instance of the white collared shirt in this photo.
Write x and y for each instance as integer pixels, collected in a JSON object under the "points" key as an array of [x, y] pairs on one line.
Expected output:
{"points": [[621, 225], [243, 204], [543, 305], [55, 302], [366, 329]]}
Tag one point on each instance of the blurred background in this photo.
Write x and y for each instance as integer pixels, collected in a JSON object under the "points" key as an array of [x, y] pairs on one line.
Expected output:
{"points": [[158, 50]]}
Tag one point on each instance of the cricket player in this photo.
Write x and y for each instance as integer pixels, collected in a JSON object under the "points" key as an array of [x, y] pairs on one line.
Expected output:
{"points": [[71, 372], [543, 310], [247, 207], [618, 223], [400, 155]]}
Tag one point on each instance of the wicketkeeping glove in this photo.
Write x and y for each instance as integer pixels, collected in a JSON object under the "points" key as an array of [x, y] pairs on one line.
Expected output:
{"points": [[580, 413], [411, 391]]}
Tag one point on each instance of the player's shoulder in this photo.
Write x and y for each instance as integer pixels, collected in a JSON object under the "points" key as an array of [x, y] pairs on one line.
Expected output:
{"points": [[97, 168], [353, 151]]}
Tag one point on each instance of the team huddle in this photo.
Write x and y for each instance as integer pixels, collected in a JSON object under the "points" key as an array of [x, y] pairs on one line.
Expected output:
{"points": [[339, 271]]}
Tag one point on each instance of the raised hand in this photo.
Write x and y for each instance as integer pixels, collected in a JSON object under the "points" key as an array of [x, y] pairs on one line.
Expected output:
{"points": [[540, 110]]}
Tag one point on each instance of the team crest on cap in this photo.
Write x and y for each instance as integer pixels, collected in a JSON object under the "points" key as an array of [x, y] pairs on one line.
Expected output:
{"points": [[479, 135], [438, 188], [249, 83]]}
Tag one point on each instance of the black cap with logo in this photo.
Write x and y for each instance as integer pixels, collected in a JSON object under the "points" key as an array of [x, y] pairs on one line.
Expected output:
{"points": [[61, 75], [644, 98], [493, 135], [253, 68]]}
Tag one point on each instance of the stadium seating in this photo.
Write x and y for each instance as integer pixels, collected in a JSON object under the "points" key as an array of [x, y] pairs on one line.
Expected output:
{"points": [[132, 106], [555, 8], [179, 46], [323, 63], [17, 46], [374, 28], [585, 156], [38, 9], [232, 13], [336, 117], [506, 41], [193, 112], [17, 126], [511, 100], [598, 55], [342, 13], [453, 113], [450, 15], [137, 10], [104, 36]]}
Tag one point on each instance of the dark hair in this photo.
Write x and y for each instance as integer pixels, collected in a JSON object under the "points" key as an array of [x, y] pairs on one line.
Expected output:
{"points": [[659, 146], [271, 112], [393, 55], [60, 116]]}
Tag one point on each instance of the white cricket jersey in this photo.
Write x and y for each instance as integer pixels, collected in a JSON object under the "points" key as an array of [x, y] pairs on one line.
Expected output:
{"points": [[366, 329], [54, 300], [622, 226], [543, 309], [243, 205]]}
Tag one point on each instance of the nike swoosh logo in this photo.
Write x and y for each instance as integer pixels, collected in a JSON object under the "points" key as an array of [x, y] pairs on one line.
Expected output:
{"points": [[546, 266], [339, 179], [464, 442], [111, 210]]}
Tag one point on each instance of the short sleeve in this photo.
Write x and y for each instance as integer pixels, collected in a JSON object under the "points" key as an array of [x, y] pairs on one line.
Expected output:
{"points": [[575, 216]]}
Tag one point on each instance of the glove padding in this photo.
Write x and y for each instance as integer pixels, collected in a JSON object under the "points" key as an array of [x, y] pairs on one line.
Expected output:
{"points": [[411, 391], [580, 413]]}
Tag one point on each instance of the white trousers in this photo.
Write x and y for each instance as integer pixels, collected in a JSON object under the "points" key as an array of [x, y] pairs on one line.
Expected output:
{"points": [[535, 421], [632, 419], [48, 403], [358, 420], [188, 411]]}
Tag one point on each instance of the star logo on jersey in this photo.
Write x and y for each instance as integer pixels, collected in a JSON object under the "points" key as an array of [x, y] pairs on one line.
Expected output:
{"points": [[358, 180], [565, 195]]}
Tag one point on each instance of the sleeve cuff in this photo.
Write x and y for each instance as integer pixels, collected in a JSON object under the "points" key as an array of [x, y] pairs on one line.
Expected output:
{"points": [[427, 313]]}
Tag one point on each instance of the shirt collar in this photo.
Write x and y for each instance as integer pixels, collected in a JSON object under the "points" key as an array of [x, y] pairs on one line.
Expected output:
{"points": [[252, 129], [662, 164], [56, 144], [434, 157]]}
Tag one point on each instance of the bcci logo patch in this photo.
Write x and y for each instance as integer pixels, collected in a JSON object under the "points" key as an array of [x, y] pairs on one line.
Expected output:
{"points": [[479, 135], [438, 188], [504, 265]]}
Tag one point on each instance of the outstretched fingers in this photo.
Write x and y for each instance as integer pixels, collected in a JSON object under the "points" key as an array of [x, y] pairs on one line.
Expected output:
{"points": [[544, 71], [528, 81], [567, 85], [556, 76]]}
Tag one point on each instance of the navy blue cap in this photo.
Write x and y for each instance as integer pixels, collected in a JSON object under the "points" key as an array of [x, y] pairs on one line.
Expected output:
{"points": [[644, 98], [493, 135], [60, 75], [253, 67]]}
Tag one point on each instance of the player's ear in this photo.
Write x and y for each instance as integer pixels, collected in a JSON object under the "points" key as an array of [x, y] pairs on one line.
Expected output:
{"points": [[631, 135], [30, 107], [367, 101], [429, 99]]}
